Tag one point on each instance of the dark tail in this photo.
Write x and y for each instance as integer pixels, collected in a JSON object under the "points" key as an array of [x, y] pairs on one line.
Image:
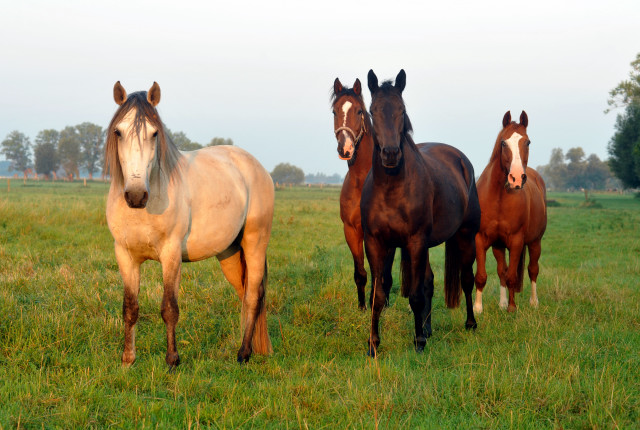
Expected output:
{"points": [[520, 279], [452, 267], [261, 343]]}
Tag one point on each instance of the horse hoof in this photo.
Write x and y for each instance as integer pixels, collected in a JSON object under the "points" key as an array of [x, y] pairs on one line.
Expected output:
{"points": [[420, 343], [128, 359], [511, 308], [533, 302], [372, 352], [244, 354], [503, 306], [172, 359], [471, 325], [362, 307]]}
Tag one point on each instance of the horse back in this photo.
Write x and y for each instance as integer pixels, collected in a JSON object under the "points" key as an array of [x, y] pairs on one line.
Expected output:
{"points": [[455, 196], [537, 195]]}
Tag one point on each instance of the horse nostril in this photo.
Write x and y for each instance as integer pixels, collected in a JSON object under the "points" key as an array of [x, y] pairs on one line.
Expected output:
{"points": [[145, 197], [513, 178], [390, 151]]}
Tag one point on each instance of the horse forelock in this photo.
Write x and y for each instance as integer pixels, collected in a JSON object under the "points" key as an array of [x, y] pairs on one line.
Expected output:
{"points": [[388, 89], [168, 154]]}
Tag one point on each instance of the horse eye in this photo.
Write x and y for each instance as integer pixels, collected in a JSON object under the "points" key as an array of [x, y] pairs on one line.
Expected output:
{"points": [[334, 112], [503, 143], [360, 112], [117, 133], [528, 142], [155, 134]]}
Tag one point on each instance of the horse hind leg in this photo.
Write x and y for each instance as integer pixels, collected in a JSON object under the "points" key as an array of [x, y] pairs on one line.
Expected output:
{"points": [[460, 253], [535, 250], [354, 238], [500, 255], [254, 314]]}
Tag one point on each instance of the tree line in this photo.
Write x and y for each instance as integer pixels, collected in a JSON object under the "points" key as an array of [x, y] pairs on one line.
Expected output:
{"points": [[572, 171], [624, 147], [72, 149]]}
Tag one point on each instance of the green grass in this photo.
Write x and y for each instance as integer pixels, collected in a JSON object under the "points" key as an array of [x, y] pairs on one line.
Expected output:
{"points": [[571, 363]]}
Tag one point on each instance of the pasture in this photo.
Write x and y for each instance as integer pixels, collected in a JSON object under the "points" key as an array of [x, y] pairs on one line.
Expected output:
{"points": [[571, 363]]}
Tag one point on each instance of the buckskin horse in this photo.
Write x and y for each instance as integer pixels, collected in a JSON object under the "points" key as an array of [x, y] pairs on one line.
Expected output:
{"points": [[414, 198], [173, 206], [514, 214]]}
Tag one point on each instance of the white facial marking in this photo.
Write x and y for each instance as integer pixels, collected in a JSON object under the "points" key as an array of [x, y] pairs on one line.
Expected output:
{"points": [[512, 142], [345, 108]]}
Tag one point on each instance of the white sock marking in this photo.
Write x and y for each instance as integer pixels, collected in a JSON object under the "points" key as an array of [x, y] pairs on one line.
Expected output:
{"points": [[477, 306], [504, 302], [534, 295]]}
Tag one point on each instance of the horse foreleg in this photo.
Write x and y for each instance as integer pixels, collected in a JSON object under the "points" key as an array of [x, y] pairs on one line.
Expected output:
{"points": [[501, 264], [171, 261], [130, 272], [481, 271], [376, 255], [513, 277], [354, 237], [535, 250], [414, 261]]}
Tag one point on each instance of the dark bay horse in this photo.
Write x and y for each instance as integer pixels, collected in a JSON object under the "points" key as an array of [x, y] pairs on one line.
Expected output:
{"points": [[514, 213], [414, 198], [352, 129], [173, 206]]}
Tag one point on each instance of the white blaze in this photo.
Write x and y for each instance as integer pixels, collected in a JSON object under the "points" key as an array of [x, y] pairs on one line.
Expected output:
{"points": [[512, 142], [345, 108]]}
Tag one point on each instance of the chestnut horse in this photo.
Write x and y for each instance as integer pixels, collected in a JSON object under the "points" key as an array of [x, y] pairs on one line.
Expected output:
{"points": [[352, 129], [415, 198], [171, 207], [514, 213]]}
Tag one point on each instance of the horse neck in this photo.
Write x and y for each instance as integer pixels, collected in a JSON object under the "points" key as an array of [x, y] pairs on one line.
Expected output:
{"points": [[364, 155], [497, 177]]}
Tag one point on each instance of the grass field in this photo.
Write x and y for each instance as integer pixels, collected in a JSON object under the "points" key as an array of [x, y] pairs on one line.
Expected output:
{"points": [[572, 363]]}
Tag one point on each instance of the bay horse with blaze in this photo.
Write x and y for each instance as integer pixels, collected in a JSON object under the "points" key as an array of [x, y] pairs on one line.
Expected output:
{"points": [[514, 214], [415, 198], [173, 206], [352, 129]]}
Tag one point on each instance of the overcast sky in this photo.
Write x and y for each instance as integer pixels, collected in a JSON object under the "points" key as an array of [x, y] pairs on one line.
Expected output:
{"points": [[260, 72]]}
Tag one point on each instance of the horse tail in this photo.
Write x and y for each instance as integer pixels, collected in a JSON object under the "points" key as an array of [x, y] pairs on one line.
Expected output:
{"points": [[520, 279], [452, 268], [261, 343]]}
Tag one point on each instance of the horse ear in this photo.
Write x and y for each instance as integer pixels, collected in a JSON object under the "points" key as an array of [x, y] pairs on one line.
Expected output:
{"points": [[506, 119], [153, 95], [524, 119], [401, 80], [372, 81], [357, 87], [337, 86], [119, 94]]}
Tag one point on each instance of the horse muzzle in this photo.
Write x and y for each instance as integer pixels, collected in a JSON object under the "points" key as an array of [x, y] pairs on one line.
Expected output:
{"points": [[515, 183], [136, 199], [391, 156], [346, 146]]}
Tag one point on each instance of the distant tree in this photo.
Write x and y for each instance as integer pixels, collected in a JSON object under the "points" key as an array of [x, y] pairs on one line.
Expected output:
{"points": [[16, 147], [575, 168], [555, 173], [69, 151], [624, 147], [220, 141], [91, 139], [44, 152], [579, 173], [286, 173], [626, 92], [321, 178], [182, 141]]}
